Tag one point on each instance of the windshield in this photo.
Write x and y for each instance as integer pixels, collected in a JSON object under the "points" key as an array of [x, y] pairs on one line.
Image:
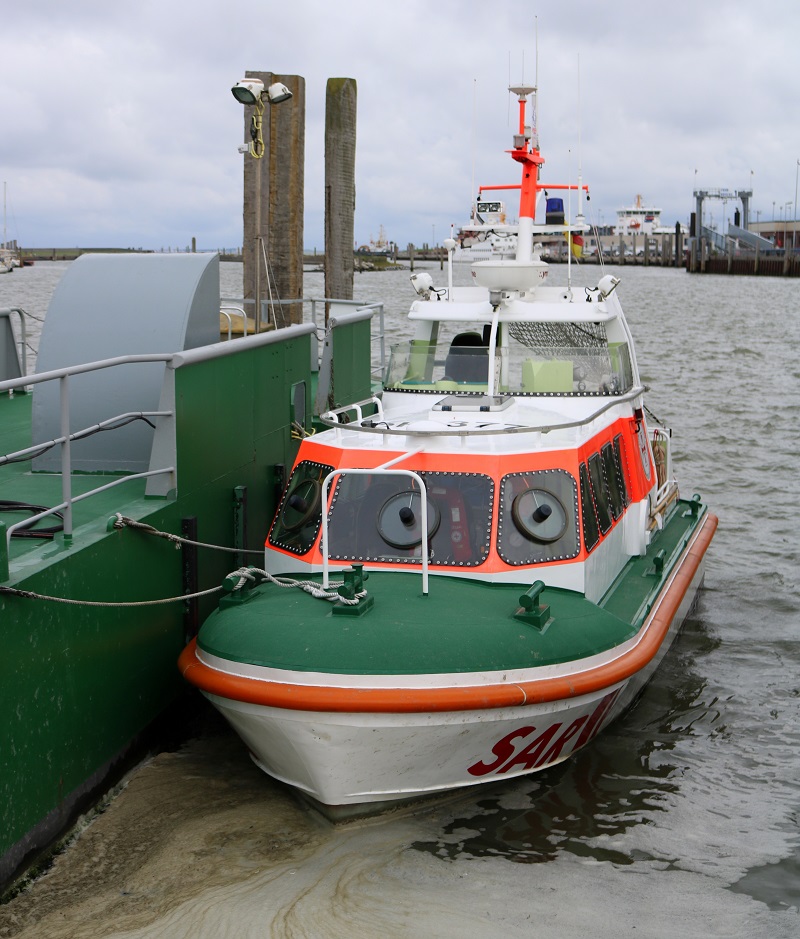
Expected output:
{"points": [[530, 359]]}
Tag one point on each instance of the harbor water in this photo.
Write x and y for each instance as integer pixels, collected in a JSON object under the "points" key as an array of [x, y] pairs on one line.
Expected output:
{"points": [[681, 819]]}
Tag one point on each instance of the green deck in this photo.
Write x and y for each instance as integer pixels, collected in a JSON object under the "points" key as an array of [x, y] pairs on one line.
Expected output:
{"points": [[461, 626]]}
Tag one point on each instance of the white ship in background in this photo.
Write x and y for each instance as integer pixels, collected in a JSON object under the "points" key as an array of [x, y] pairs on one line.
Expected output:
{"points": [[638, 219], [488, 234]]}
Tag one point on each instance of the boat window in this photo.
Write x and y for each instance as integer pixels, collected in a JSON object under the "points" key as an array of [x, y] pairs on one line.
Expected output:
{"points": [[458, 362], [600, 492], [378, 517], [616, 486], [299, 514], [591, 530], [538, 517], [619, 458], [565, 358]]}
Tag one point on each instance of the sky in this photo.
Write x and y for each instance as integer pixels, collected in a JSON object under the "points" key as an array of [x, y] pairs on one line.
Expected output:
{"points": [[118, 126]]}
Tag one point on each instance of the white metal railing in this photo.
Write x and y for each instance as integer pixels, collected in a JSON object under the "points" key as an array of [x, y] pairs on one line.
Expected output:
{"points": [[229, 309], [383, 470], [63, 376], [662, 457], [334, 415]]}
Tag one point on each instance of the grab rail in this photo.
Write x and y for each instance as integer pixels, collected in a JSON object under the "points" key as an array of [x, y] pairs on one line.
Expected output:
{"points": [[228, 309], [467, 428], [378, 470], [333, 416]]}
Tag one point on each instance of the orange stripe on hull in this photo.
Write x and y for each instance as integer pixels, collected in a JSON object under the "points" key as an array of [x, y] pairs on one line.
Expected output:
{"points": [[463, 698]]}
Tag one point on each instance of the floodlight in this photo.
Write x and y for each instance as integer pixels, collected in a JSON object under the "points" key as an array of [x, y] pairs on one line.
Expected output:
{"points": [[422, 283], [607, 285], [248, 90], [277, 93]]}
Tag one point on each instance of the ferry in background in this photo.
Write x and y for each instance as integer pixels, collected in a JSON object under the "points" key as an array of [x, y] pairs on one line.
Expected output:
{"points": [[638, 219]]}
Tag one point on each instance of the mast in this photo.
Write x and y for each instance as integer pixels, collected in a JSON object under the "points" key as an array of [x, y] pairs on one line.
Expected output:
{"points": [[526, 152]]}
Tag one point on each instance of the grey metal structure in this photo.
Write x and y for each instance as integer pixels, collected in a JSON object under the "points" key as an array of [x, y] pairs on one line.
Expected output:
{"points": [[107, 306], [744, 195], [12, 365]]}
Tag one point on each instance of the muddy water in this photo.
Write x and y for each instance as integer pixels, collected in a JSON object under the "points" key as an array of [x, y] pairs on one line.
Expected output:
{"points": [[681, 819]]}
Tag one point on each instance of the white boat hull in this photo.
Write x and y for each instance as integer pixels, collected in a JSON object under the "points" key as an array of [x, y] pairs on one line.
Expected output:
{"points": [[346, 759]]}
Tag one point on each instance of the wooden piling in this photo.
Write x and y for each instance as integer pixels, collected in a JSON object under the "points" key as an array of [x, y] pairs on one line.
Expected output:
{"points": [[340, 186], [273, 205]]}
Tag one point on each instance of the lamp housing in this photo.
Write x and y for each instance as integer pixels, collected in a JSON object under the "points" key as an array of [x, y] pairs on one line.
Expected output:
{"points": [[248, 90], [278, 92]]}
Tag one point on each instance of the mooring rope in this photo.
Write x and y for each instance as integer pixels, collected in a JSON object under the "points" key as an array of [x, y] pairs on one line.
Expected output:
{"points": [[243, 575], [308, 586], [123, 521], [30, 595]]}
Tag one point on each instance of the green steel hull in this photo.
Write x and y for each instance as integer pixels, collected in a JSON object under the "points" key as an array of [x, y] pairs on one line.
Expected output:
{"points": [[81, 683]]}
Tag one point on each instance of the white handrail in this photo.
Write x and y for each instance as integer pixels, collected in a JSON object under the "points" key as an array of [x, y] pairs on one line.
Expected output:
{"points": [[371, 472], [356, 406]]}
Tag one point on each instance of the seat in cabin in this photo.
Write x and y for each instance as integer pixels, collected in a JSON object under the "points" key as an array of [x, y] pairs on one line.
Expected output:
{"points": [[551, 375], [467, 359]]}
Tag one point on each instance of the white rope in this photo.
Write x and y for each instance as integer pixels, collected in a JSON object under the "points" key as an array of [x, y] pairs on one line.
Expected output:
{"points": [[308, 586]]}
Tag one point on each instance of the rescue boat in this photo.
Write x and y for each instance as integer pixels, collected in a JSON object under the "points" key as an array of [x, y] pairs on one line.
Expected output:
{"points": [[473, 572]]}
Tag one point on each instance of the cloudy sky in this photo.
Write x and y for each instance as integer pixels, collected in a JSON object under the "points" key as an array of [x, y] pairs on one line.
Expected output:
{"points": [[118, 127]]}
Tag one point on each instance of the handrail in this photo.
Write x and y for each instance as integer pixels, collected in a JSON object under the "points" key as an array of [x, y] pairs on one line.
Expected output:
{"points": [[34, 451], [172, 361], [356, 406], [22, 333], [226, 309], [374, 306], [378, 470], [63, 375], [67, 506], [472, 431], [85, 367]]}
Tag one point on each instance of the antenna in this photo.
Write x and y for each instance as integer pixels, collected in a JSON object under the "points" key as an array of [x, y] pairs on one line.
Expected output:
{"points": [[569, 225], [536, 70], [508, 103], [472, 195], [580, 157]]}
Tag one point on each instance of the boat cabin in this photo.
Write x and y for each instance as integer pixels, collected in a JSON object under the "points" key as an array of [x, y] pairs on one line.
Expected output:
{"points": [[506, 439]]}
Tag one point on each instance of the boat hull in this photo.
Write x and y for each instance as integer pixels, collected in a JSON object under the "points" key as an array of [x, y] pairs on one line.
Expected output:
{"points": [[348, 759], [388, 746]]}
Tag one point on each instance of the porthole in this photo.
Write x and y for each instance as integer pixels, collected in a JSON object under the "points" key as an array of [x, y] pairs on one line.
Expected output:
{"points": [[400, 519], [302, 505], [539, 515]]}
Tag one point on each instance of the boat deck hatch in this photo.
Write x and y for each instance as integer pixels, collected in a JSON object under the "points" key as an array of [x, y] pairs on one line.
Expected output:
{"points": [[476, 402]]}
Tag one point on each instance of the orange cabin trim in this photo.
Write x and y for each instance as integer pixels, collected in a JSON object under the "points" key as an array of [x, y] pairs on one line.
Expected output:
{"points": [[496, 466]]}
